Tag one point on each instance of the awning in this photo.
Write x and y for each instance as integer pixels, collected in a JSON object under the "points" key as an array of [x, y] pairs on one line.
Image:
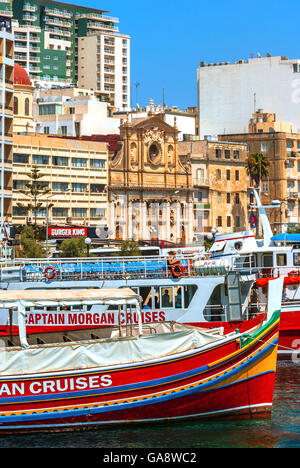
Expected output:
{"points": [[286, 237], [76, 296], [20, 299]]}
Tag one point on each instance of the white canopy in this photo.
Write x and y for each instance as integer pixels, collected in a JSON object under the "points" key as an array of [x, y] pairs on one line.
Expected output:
{"points": [[20, 299], [122, 296]]}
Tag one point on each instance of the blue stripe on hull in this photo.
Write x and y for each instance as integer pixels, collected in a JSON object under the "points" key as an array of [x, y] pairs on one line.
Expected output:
{"points": [[201, 388]]}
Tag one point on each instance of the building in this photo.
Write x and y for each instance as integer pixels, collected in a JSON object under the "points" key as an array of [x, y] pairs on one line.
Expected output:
{"points": [[220, 183], [6, 128], [228, 93], [104, 64], [282, 148], [23, 121], [186, 121], [72, 111], [74, 171], [150, 186], [47, 35]]}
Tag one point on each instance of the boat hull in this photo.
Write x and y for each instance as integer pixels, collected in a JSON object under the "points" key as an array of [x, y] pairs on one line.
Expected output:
{"points": [[230, 378]]}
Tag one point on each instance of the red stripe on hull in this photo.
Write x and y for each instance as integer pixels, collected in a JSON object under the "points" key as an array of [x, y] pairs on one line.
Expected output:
{"points": [[242, 400]]}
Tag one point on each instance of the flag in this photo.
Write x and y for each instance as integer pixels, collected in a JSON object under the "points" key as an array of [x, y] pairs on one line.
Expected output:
{"points": [[252, 220]]}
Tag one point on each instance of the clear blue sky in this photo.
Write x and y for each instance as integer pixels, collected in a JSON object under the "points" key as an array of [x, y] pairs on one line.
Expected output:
{"points": [[170, 38]]}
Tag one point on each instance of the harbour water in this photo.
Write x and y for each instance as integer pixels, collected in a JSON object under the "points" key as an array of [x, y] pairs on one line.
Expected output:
{"points": [[281, 431]]}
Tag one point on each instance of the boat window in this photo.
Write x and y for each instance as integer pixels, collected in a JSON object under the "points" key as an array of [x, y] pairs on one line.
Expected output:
{"points": [[267, 260], [178, 297], [146, 294], [156, 297], [296, 258], [214, 310], [218, 246], [167, 297], [189, 293], [281, 260]]}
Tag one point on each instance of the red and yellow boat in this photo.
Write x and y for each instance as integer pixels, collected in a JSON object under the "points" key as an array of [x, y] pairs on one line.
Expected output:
{"points": [[168, 371]]}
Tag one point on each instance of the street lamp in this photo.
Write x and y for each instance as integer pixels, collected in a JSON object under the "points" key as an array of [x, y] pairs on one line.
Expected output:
{"points": [[88, 242]]}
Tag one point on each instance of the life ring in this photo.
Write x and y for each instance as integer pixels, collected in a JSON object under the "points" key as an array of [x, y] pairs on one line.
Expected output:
{"points": [[177, 270], [48, 274]]}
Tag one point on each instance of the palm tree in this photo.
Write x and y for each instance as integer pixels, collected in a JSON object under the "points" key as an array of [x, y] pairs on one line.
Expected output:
{"points": [[33, 191], [257, 167]]}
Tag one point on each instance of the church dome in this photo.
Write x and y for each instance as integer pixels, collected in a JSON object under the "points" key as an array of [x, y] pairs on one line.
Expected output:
{"points": [[21, 76]]}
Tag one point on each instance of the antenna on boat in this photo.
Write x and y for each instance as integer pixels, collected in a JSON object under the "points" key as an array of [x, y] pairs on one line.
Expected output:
{"points": [[267, 231]]}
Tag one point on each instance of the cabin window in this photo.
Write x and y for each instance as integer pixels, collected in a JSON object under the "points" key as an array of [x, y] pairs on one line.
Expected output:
{"points": [[214, 310], [297, 258], [281, 260], [267, 261], [167, 297], [178, 297], [146, 294], [189, 293]]}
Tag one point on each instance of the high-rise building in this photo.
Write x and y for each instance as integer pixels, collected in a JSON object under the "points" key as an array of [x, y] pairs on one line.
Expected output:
{"points": [[47, 35], [104, 64], [6, 119], [228, 93]]}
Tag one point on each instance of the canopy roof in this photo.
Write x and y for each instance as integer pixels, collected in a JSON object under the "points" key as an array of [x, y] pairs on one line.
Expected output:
{"points": [[285, 237], [99, 296]]}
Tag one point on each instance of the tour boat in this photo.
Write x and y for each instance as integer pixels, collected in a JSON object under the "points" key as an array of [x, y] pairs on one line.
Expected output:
{"points": [[86, 379], [173, 288], [270, 257]]}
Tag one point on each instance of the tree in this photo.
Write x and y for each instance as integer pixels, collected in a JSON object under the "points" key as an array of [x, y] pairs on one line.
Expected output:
{"points": [[130, 249], [33, 191], [74, 247], [258, 167], [29, 247]]}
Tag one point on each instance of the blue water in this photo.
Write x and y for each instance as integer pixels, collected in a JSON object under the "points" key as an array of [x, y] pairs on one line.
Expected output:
{"points": [[281, 431]]}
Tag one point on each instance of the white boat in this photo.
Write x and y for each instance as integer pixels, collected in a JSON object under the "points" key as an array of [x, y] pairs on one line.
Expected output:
{"points": [[271, 256], [181, 288]]}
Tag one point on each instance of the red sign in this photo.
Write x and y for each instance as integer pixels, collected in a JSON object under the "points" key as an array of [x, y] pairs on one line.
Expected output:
{"points": [[59, 232]]}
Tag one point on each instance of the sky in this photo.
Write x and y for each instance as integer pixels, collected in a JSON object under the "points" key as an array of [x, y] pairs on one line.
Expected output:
{"points": [[170, 38]]}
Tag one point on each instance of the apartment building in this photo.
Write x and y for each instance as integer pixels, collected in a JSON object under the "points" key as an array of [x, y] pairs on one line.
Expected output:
{"points": [[6, 127], [282, 148], [74, 171], [220, 185], [72, 111], [47, 35], [228, 93], [104, 64]]}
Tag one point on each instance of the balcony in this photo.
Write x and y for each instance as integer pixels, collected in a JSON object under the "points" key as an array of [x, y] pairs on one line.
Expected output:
{"points": [[29, 17], [201, 182], [58, 13]]}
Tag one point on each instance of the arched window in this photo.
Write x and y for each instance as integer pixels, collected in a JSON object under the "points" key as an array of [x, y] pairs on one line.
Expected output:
{"points": [[26, 106], [16, 105]]}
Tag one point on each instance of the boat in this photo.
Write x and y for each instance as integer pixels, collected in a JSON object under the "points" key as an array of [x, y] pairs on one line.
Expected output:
{"points": [[87, 379], [271, 256], [174, 287]]}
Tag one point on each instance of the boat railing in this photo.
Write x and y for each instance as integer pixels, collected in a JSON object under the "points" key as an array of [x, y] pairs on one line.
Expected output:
{"points": [[74, 269], [219, 312]]}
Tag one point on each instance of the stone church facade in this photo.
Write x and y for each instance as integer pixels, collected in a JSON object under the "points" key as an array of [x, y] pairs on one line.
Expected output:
{"points": [[150, 186]]}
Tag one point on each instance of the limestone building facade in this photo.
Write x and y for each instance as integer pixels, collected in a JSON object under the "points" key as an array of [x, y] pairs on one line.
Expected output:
{"points": [[282, 148], [150, 184], [220, 185]]}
